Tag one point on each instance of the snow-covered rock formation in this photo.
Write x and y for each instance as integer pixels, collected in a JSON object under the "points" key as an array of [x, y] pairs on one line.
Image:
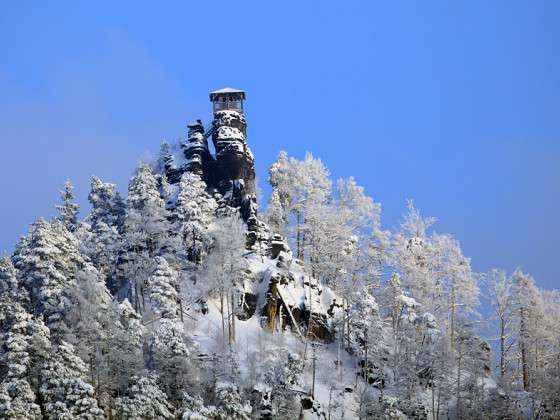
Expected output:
{"points": [[281, 293]]}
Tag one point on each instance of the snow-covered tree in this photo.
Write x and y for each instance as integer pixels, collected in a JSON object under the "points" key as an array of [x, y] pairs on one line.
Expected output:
{"points": [[123, 353], [144, 400], [163, 288], [193, 408], [47, 262], [68, 210], [93, 322], [411, 251], [365, 325], [64, 388], [107, 206], [229, 402], [456, 284], [17, 397], [300, 188], [224, 274], [280, 177], [170, 351], [282, 371], [195, 212], [501, 295], [165, 158], [527, 301], [145, 236]]}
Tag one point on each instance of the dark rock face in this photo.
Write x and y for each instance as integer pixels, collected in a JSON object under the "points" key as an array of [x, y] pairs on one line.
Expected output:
{"points": [[231, 172], [235, 160], [196, 149], [277, 245]]}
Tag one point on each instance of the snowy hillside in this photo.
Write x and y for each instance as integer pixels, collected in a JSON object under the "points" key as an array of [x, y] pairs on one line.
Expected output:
{"points": [[183, 301]]}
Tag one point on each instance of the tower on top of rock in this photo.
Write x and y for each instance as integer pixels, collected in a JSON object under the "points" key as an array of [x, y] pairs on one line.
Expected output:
{"points": [[227, 99]]}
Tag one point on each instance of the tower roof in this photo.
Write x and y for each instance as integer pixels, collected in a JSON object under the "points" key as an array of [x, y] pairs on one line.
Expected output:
{"points": [[227, 90]]}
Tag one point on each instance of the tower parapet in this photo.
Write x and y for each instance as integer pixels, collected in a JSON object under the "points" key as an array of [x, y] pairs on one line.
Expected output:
{"points": [[227, 99]]}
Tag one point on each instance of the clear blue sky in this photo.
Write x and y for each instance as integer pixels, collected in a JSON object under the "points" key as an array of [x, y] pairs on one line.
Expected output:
{"points": [[452, 103]]}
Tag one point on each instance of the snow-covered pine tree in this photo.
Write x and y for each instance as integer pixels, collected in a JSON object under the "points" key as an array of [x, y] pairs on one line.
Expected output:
{"points": [[169, 344], [144, 400], [282, 371], [195, 210], [123, 356], [68, 210], [165, 158], [366, 328], [145, 236], [47, 261], [163, 291], [64, 388], [230, 404], [93, 321], [193, 408], [23, 342], [20, 337], [171, 358], [99, 235], [107, 206]]}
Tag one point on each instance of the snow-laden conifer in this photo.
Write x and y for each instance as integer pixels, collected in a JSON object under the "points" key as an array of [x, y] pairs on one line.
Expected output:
{"points": [[195, 212], [47, 262], [23, 341], [144, 400], [68, 210], [163, 287], [64, 388]]}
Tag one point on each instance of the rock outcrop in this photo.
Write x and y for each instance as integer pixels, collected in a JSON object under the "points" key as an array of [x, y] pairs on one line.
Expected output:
{"points": [[230, 172], [284, 295]]}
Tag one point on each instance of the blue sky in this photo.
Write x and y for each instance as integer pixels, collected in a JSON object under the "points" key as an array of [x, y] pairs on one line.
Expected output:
{"points": [[453, 104]]}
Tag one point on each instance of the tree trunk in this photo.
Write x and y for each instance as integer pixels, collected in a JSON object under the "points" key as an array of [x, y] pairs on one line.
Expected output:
{"points": [[298, 236], [459, 360], [524, 361], [223, 319], [228, 320], [502, 348], [452, 326], [232, 317]]}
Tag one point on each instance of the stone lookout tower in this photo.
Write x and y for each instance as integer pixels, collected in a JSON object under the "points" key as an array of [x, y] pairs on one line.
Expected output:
{"points": [[227, 99]]}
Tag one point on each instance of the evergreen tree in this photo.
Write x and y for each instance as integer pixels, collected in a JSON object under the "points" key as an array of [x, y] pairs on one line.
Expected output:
{"points": [[195, 212], [164, 290], [68, 211], [170, 350], [47, 262], [107, 206], [17, 397], [123, 356], [145, 235], [230, 404], [144, 400], [64, 389], [193, 408]]}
